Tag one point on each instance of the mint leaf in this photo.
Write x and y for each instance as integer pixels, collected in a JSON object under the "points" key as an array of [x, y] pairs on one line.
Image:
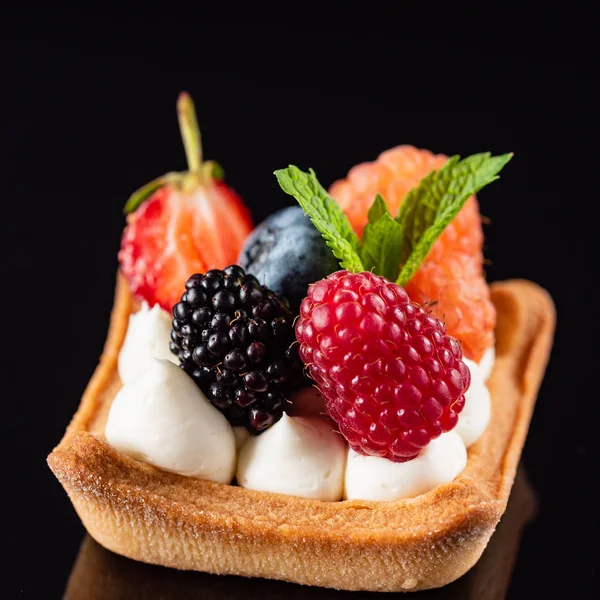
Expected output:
{"points": [[382, 242], [325, 213], [378, 209], [428, 209]]}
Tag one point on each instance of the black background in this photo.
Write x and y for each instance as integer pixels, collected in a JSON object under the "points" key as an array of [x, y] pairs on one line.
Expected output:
{"points": [[90, 116]]}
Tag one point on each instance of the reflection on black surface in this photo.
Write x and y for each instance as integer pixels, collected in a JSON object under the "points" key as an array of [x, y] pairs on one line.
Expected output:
{"points": [[100, 574]]}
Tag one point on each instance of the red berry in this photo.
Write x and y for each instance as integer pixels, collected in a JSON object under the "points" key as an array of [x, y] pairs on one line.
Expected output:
{"points": [[391, 376], [192, 223], [452, 278], [177, 232]]}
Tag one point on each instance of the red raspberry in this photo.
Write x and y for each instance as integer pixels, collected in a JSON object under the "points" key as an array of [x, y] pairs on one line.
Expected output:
{"points": [[392, 378]]}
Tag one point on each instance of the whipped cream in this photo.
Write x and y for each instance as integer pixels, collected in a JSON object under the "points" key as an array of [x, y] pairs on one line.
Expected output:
{"points": [[241, 434], [376, 478], [477, 411], [148, 336], [298, 456], [486, 364], [162, 418]]}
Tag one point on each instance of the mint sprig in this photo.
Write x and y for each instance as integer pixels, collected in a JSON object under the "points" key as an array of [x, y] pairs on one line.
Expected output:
{"points": [[382, 241], [325, 213], [394, 248], [428, 208]]}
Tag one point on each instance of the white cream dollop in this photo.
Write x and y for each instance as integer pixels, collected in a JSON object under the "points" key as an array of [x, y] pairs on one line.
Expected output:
{"points": [[486, 364], [475, 415], [376, 478], [162, 418], [298, 456], [148, 336], [241, 434]]}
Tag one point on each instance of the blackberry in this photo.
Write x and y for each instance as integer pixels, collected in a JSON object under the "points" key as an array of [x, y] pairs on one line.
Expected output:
{"points": [[236, 339]]}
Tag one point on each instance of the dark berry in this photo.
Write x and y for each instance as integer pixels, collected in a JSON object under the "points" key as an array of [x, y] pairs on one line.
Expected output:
{"points": [[251, 293], [193, 280], [201, 316], [264, 309], [287, 253], [292, 353], [221, 322], [233, 337], [282, 308], [256, 352], [256, 381], [275, 400], [202, 375], [232, 284], [279, 371], [211, 285], [220, 396], [238, 335], [235, 360], [226, 378], [182, 311], [224, 301], [244, 397], [234, 272], [196, 297], [191, 332], [259, 330], [281, 327], [209, 373], [261, 419], [214, 274], [218, 343], [251, 279], [202, 356]]}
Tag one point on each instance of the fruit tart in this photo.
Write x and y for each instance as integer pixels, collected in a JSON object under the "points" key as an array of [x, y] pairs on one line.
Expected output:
{"points": [[335, 397]]}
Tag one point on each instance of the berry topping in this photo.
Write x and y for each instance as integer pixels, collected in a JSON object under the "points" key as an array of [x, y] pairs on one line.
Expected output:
{"points": [[286, 252], [391, 376], [181, 223], [235, 338], [452, 275], [432, 246]]}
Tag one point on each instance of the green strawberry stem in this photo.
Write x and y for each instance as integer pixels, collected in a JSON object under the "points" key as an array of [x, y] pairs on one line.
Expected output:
{"points": [[190, 132], [198, 173]]}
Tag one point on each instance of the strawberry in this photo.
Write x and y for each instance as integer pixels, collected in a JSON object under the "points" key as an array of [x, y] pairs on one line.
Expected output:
{"points": [[181, 223]]}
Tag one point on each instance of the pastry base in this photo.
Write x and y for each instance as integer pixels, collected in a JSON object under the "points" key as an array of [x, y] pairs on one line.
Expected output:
{"points": [[98, 574], [149, 515]]}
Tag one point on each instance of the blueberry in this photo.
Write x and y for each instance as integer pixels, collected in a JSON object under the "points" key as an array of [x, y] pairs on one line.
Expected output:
{"points": [[286, 253]]}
